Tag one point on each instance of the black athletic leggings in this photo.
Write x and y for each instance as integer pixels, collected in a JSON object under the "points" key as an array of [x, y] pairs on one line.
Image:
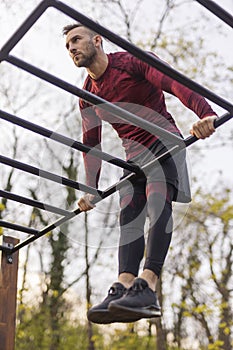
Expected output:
{"points": [[137, 201]]}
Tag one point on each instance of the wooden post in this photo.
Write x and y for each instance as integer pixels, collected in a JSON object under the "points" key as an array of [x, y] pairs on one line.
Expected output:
{"points": [[8, 295]]}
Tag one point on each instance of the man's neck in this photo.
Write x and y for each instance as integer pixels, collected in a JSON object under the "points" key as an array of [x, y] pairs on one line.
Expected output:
{"points": [[98, 67]]}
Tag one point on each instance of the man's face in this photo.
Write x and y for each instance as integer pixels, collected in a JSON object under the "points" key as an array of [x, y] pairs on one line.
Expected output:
{"points": [[80, 44]]}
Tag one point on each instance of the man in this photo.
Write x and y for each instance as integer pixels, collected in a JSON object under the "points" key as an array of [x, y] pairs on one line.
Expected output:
{"points": [[123, 79]]}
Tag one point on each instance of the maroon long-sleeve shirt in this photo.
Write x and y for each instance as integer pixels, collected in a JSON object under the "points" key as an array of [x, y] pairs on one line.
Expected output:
{"points": [[137, 87]]}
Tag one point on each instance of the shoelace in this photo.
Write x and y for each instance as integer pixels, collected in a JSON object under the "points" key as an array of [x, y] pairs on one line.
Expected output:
{"points": [[137, 287]]}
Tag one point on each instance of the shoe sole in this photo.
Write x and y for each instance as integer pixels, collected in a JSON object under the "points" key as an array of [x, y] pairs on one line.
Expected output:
{"points": [[137, 313], [106, 317]]}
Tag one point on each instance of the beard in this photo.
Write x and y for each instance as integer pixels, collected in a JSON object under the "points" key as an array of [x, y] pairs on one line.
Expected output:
{"points": [[87, 58]]}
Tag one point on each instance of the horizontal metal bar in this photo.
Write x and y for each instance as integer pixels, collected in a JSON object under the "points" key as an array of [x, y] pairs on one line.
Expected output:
{"points": [[47, 175], [95, 100], [33, 203], [112, 189], [22, 30], [17, 227], [67, 141], [218, 11], [143, 55], [134, 50], [131, 177], [218, 122], [6, 249], [105, 194]]}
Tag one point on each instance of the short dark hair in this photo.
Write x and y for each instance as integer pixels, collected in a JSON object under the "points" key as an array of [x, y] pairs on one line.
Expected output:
{"points": [[69, 27]]}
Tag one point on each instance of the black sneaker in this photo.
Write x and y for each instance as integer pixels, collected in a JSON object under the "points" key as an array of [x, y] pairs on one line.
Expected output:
{"points": [[139, 301], [100, 313]]}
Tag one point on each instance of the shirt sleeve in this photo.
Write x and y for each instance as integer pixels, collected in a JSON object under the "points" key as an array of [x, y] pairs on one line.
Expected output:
{"points": [[91, 127], [189, 98]]}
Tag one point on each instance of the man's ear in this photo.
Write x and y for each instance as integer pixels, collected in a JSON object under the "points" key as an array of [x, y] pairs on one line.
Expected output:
{"points": [[98, 40]]}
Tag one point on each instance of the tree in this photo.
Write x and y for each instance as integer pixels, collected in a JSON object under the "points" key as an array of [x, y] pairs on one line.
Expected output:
{"points": [[204, 269]]}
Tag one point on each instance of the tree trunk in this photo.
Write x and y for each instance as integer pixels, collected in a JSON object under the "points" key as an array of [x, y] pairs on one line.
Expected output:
{"points": [[59, 248], [91, 345], [161, 335]]}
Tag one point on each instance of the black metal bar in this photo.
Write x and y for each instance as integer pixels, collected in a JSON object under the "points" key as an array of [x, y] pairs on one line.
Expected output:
{"points": [[16, 227], [112, 189], [49, 176], [22, 30], [5, 249], [105, 194], [218, 11], [45, 230], [67, 141], [142, 55], [218, 122], [134, 50], [95, 100], [131, 177], [33, 203]]}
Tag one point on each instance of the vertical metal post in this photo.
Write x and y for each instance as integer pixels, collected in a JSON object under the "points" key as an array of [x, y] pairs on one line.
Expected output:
{"points": [[8, 294]]}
